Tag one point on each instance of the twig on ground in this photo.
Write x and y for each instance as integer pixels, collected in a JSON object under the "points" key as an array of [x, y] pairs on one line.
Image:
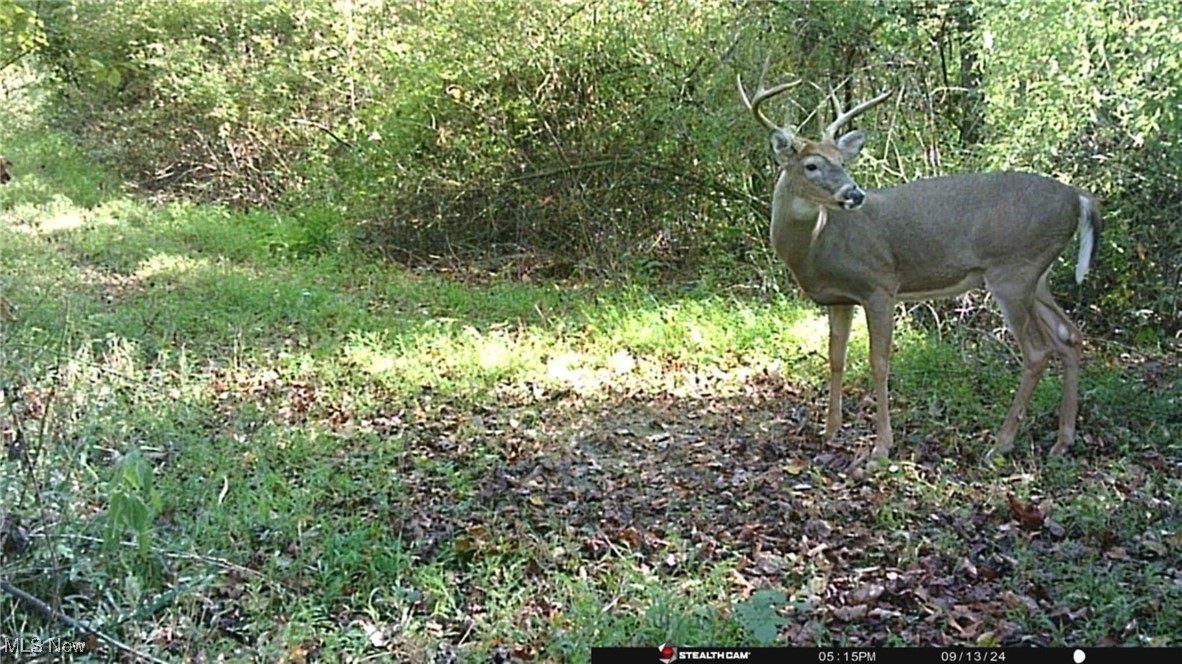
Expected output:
{"points": [[50, 613]]}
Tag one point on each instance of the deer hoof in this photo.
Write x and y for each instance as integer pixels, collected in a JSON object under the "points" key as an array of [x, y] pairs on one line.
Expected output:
{"points": [[1004, 444]]}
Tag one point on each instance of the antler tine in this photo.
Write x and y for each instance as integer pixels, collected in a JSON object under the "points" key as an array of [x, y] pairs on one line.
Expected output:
{"points": [[854, 112], [762, 95], [836, 102]]}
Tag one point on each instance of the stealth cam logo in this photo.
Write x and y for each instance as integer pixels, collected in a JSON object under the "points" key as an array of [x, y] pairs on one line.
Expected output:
{"points": [[668, 653]]}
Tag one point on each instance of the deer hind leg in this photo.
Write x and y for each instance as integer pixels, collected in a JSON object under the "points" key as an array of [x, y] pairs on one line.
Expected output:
{"points": [[841, 317], [1018, 306], [1067, 341]]}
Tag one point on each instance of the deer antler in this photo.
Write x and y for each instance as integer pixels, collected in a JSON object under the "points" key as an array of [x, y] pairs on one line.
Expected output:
{"points": [[762, 95], [842, 118]]}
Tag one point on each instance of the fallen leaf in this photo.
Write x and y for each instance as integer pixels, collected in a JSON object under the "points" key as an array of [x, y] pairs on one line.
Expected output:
{"points": [[969, 568], [1016, 601], [1175, 540], [867, 593], [1055, 529], [1025, 514], [1153, 546], [851, 613]]}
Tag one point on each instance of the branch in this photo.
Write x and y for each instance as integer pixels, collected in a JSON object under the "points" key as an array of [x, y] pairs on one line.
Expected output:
{"points": [[15, 59], [49, 612], [756, 204], [311, 123], [717, 187], [20, 56]]}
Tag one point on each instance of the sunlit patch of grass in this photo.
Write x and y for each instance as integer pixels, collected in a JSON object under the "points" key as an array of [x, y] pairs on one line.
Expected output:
{"points": [[47, 167], [461, 359], [708, 329], [169, 266]]}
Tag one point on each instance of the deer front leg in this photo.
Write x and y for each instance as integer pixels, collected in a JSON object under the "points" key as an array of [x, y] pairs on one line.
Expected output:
{"points": [[880, 319], [841, 317]]}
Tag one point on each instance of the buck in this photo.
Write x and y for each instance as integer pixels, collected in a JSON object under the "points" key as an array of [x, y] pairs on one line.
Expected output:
{"points": [[931, 238]]}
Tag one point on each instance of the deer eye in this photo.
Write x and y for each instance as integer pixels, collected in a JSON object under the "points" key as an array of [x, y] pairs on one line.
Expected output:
{"points": [[810, 167]]}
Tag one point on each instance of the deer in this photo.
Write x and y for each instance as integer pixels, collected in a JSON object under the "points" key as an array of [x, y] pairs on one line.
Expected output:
{"points": [[5, 177], [926, 239]]}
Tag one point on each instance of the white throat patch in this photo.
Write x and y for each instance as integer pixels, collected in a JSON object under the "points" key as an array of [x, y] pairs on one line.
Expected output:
{"points": [[822, 219], [802, 209]]}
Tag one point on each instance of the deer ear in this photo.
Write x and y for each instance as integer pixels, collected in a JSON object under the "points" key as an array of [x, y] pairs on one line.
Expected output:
{"points": [[849, 145], [782, 145]]}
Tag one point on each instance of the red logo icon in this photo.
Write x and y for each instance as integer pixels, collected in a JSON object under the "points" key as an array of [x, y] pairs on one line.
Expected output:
{"points": [[668, 653]]}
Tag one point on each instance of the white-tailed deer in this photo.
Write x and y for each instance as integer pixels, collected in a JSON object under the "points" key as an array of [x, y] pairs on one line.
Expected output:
{"points": [[930, 238]]}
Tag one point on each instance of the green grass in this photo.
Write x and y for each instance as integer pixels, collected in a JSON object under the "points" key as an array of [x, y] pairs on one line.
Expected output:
{"points": [[345, 457]]}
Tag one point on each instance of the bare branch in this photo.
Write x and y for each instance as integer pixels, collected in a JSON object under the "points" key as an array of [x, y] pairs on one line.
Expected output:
{"points": [[312, 123], [48, 612]]}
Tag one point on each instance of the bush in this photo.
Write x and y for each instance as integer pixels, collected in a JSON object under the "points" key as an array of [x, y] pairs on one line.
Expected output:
{"points": [[603, 134]]}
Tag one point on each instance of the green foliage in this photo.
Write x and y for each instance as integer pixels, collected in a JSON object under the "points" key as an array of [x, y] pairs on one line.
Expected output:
{"points": [[20, 32], [607, 136], [603, 134], [197, 97], [758, 617], [134, 502], [309, 231]]}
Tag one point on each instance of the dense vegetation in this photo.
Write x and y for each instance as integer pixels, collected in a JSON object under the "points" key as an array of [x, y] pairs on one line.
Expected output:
{"points": [[339, 328], [607, 136]]}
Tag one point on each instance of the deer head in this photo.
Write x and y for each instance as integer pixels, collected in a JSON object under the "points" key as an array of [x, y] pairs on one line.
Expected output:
{"points": [[817, 169]]}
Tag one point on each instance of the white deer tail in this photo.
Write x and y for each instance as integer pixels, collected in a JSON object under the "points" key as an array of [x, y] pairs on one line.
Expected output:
{"points": [[1087, 237]]}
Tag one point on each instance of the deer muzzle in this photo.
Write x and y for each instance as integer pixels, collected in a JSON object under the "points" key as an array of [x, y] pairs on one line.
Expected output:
{"points": [[851, 197]]}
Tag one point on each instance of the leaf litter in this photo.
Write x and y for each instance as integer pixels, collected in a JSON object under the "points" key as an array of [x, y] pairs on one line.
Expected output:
{"points": [[937, 547], [927, 551]]}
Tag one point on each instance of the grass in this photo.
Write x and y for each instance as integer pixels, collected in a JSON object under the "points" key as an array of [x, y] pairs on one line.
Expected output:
{"points": [[237, 440]]}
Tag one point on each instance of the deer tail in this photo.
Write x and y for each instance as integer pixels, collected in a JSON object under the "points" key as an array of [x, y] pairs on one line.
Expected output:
{"points": [[1090, 225]]}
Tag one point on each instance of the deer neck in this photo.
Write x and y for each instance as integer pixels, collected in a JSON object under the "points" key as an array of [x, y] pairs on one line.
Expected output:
{"points": [[794, 222]]}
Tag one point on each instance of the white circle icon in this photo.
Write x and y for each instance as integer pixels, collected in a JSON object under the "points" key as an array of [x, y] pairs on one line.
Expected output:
{"points": [[1078, 656]]}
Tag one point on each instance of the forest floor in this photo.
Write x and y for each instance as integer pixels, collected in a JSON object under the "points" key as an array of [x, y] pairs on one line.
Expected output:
{"points": [[224, 446]]}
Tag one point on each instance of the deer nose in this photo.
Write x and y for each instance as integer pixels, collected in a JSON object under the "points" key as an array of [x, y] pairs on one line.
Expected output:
{"points": [[854, 197]]}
